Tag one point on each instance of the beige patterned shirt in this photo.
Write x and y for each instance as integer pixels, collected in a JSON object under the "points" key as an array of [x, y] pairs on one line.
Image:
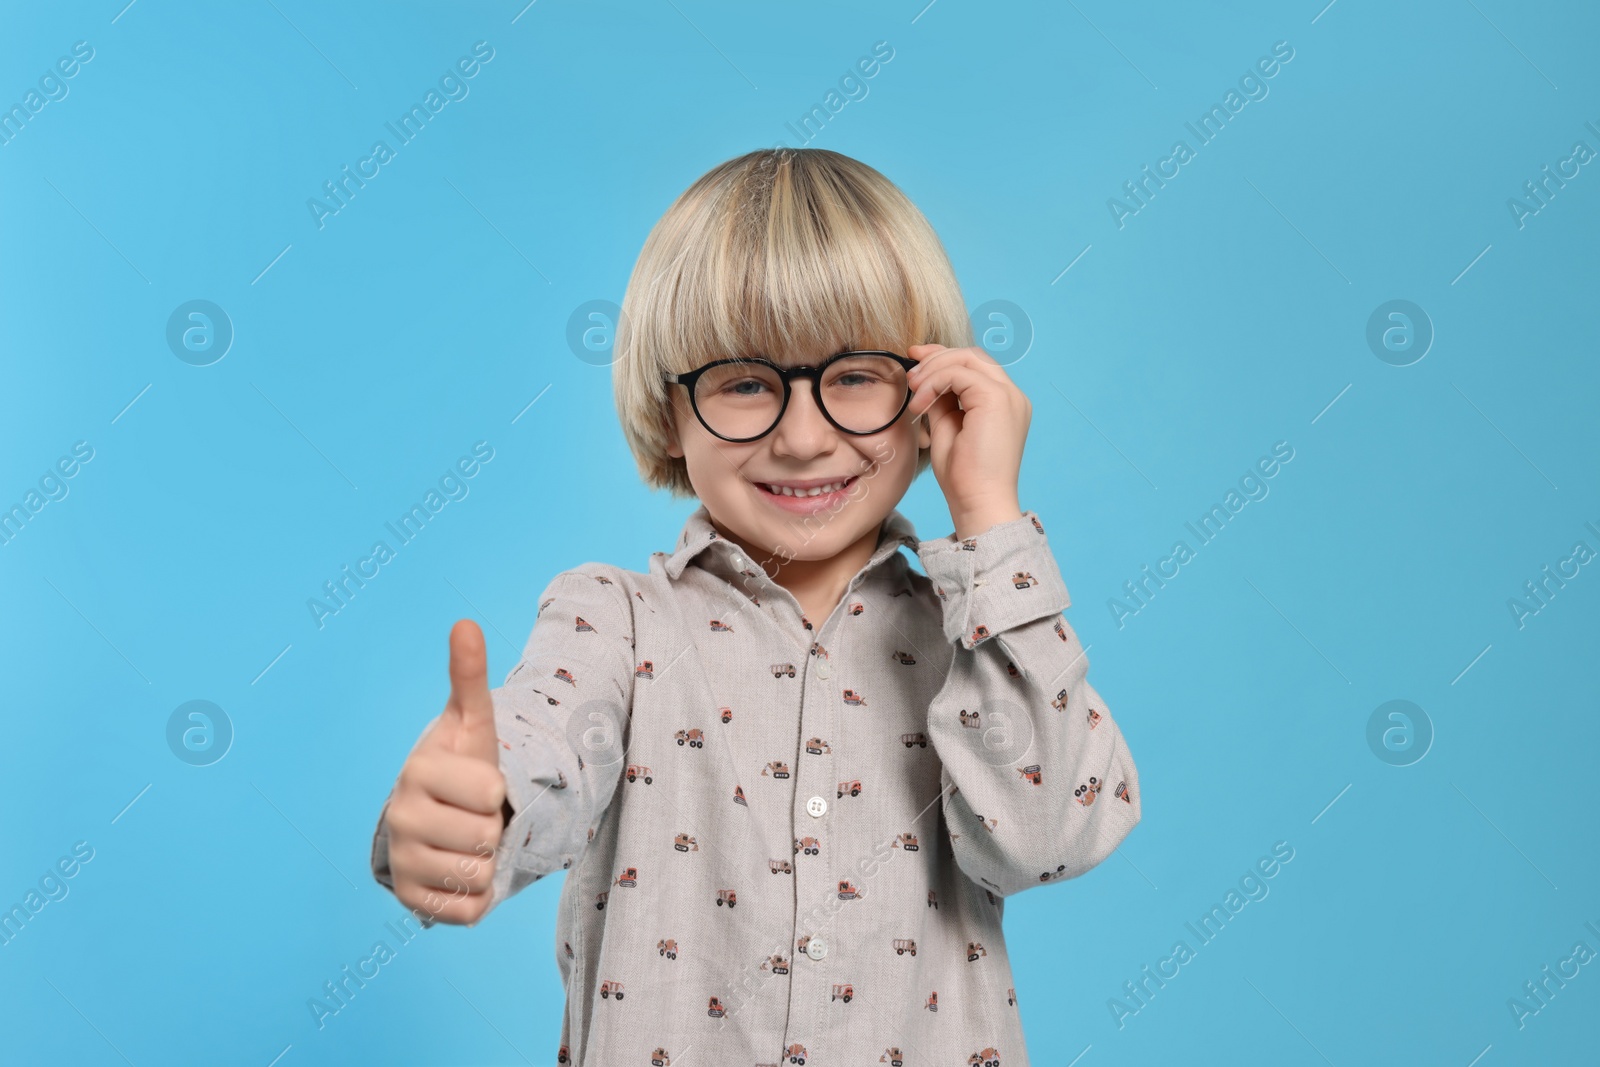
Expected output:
{"points": [[789, 840]]}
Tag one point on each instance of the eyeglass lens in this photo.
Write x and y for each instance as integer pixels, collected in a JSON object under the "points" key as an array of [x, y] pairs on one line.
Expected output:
{"points": [[862, 393]]}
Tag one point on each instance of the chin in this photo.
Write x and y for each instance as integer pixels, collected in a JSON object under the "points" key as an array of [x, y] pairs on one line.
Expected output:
{"points": [[798, 538], [823, 537]]}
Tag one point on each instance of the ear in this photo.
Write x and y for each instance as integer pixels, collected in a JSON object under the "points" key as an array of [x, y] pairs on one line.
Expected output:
{"points": [[924, 434]]}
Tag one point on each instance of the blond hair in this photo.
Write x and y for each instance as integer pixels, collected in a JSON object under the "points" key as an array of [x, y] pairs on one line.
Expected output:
{"points": [[790, 253]]}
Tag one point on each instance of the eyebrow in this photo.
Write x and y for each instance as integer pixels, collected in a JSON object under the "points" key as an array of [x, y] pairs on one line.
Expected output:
{"points": [[848, 346]]}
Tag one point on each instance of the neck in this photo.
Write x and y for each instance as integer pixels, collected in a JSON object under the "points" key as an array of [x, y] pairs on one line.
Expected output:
{"points": [[818, 584]]}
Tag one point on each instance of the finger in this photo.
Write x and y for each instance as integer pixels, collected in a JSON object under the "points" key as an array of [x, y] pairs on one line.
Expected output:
{"points": [[936, 373], [442, 905], [455, 779], [981, 354], [972, 357], [470, 703], [945, 419], [444, 825], [441, 870], [924, 353], [958, 384], [976, 359]]}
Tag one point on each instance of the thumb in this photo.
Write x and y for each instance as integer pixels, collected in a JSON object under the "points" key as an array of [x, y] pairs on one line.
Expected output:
{"points": [[468, 719]]}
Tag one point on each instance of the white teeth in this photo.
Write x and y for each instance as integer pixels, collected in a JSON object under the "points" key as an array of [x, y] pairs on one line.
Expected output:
{"points": [[783, 490]]}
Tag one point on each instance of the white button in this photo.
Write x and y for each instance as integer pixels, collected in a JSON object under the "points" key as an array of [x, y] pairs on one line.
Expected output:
{"points": [[816, 948], [816, 807], [738, 561], [823, 670]]}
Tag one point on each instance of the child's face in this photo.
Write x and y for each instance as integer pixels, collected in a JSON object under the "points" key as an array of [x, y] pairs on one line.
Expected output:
{"points": [[804, 447]]}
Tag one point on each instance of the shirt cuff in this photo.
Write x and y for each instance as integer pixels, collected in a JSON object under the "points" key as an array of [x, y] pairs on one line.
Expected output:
{"points": [[380, 849], [537, 838], [1003, 577]]}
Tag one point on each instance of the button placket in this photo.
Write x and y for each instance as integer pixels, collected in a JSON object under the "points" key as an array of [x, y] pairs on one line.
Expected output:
{"points": [[809, 984]]}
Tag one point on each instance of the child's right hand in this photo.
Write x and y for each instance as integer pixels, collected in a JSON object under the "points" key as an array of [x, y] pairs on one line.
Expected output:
{"points": [[445, 817]]}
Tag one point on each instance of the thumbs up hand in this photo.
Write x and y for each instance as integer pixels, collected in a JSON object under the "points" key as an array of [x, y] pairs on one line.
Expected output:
{"points": [[445, 816]]}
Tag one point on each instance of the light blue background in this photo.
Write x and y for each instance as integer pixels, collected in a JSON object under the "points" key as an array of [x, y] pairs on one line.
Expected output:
{"points": [[1228, 314]]}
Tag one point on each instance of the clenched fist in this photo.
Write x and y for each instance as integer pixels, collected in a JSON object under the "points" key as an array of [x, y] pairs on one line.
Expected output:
{"points": [[446, 814]]}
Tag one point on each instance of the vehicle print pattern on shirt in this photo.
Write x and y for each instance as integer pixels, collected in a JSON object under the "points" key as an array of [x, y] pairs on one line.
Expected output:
{"points": [[824, 914]]}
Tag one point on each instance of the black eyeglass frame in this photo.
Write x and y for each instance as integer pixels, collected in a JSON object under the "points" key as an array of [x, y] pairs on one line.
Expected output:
{"points": [[814, 372]]}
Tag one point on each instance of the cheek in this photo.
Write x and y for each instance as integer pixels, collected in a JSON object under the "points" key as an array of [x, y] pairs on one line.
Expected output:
{"points": [[714, 466], [895, 454], [912, 437]]}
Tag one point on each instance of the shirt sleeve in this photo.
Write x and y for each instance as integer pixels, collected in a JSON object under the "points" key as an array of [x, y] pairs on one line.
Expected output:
{"points": [[562, 718], [1038, 781]]}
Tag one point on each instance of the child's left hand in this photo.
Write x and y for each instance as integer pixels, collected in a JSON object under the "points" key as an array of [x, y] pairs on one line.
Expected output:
{"points": [[978, 420]]}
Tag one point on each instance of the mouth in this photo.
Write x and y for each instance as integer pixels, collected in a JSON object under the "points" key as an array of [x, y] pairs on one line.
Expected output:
{"points": [[806, 497]]}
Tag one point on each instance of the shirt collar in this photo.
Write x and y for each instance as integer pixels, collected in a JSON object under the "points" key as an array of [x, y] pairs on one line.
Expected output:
{"points": [[700, 536]]}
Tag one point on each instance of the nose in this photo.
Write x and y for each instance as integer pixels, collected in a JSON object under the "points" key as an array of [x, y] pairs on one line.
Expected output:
{"points": [[803, 431]]}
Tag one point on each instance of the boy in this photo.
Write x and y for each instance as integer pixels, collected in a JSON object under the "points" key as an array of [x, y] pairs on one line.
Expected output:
{"points": [[793, 778]]}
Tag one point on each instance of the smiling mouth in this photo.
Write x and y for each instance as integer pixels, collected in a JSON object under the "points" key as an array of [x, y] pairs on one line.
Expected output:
{"points": [[822, 490]]}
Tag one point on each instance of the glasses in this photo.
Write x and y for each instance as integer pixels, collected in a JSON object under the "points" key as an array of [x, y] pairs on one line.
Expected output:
{"points": [[859, 392]]}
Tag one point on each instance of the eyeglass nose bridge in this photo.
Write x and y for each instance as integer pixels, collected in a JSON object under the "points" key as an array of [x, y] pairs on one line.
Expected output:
{"points": [[814, 372]]}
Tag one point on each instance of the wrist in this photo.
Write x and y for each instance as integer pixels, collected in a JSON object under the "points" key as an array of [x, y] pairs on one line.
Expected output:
{"points": [[974, 520]]}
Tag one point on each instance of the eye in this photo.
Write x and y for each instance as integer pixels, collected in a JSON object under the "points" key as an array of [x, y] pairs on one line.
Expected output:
{"points": [[856, 379], [744, 387]]}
